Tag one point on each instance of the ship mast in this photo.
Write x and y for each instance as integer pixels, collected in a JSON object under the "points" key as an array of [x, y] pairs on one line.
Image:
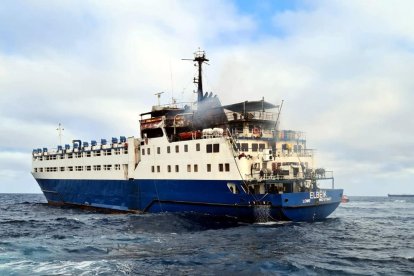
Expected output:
{"points": [[200, 58], [60, 129]]}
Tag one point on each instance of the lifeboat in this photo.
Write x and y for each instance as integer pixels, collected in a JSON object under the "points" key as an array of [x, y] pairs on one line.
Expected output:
{"points": [[190, 135]]}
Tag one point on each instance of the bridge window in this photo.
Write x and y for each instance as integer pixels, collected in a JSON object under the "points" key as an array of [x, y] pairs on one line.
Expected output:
{"points": [[208, 167], [148, 151], [158, 150], [212, 148], [255, 146], [177, 168], [216, 147], [169, 168], [152, 168], [195, 168], [185, 148], [188, 168], [177, 148], [197, 147], [143, 151], [168, 149], [227, 167], [262, 147], [158, 169], [244, 147], [209, 148], [220, 167], [88, 168]]}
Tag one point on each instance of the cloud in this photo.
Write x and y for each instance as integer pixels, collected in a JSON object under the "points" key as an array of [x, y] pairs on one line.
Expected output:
{"points": [[343, 69], [15, 173], [344, 75]]}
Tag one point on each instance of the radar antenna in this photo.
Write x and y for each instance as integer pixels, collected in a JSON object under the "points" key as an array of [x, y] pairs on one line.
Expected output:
{"points": [[158, 96], [200, 58]]}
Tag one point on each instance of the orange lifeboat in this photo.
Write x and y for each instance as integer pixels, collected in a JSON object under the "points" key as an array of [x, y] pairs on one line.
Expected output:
{"points": [[190, 135]]}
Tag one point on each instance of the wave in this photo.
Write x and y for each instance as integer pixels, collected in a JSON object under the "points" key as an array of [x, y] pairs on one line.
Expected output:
{"points": [[400, 201], [85, 267], [37, 239], [87, 250], [178, 222]]}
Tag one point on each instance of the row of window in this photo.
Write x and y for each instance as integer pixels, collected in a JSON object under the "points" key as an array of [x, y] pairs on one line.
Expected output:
{"points": [[252, 128], [209, 148], [104, 152], [116, 167], [222, 167], [255, 146]]}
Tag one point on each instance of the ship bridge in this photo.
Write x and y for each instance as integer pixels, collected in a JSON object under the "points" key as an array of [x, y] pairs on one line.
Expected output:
{"points": [[254, 118], [251, 111]]}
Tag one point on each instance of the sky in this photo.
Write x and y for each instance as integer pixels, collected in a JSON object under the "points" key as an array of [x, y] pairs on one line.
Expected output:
{"points": [[342, 68]]}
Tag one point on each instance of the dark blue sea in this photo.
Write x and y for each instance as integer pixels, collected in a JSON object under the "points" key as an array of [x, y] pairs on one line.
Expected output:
{"points": [[367, 236]]}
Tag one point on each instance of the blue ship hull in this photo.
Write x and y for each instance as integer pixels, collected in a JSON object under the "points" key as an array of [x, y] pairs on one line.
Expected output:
{"points": [[200, 196]]}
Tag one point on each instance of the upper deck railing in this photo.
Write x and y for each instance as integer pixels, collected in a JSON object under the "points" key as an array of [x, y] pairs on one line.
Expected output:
{"points": [[318, 174], [79, 146], [248, 116]]}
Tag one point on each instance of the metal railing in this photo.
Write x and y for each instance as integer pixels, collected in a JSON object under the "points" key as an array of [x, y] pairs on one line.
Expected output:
{"points": [[289, 175], [255, 115]]}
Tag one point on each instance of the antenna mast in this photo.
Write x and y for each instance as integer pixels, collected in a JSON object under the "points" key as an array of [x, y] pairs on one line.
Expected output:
{"points": [[278, 115], [200, 58], [60, 129]]}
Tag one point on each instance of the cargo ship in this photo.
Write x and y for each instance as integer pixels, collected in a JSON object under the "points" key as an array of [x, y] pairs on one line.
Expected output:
{"points": [[221, 160], [401, 195]]}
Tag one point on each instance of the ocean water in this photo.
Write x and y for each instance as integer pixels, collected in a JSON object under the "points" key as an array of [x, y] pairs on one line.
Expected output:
{"points": [[367, 236]]}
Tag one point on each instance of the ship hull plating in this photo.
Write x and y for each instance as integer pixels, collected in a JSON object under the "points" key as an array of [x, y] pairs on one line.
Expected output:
{"points": [[200, 196]]}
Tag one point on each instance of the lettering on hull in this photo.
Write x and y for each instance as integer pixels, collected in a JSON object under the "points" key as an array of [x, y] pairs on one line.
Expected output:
{"points": [[320, 195]]}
